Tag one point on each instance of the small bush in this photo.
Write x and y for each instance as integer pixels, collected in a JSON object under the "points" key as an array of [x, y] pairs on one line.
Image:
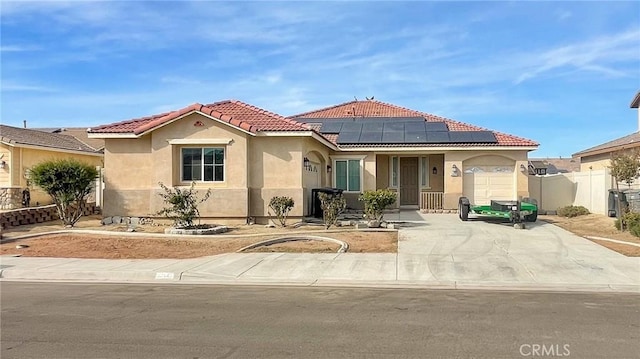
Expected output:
{"points": [[631, 221], [182, 205], [375, 202], [281, 206], [572, 211], [332, 206]]}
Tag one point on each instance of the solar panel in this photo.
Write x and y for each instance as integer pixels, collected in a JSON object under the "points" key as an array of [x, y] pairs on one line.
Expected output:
{"points": [[394, 126], [371, 137], [349, 137], [393, 137], [352, 127], [460, 137], [414, 127], [436, 126], [372, 126], [438, 137], [483, 137], [415, 137], [331, 127]]}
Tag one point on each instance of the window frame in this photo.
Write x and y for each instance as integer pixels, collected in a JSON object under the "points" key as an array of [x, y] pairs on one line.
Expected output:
{"points": [[203, 165], [346, 159]]}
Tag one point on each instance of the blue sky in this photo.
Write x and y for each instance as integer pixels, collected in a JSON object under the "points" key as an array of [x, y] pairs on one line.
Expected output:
{"points": [[560, 73]]}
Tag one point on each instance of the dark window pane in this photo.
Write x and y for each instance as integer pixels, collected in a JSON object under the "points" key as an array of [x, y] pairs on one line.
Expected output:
{"points": [[219, 156], [219, 173], [186, 173], [341, 175], [208, 173], [208, 156]]}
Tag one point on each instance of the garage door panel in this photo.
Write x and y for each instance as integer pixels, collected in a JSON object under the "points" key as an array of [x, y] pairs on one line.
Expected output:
{"points": [[483, 187]]}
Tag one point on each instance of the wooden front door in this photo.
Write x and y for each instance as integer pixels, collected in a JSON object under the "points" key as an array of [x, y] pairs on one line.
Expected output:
{"points": [[408, 181]]}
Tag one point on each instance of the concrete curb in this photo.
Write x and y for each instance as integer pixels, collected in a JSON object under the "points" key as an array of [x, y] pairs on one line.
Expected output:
{"points": [[612, 240], [344, 246]]}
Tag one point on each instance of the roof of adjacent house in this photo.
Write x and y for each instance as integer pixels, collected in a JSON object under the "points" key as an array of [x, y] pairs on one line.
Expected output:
{"points": [[556, 165], [628, 141], [236, 113], [24, 136], [80, 133], [635, 103], [375, 108]]}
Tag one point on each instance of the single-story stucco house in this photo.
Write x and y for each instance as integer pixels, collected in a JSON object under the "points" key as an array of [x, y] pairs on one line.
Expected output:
{"points": [[247, 155], [23, 148]]}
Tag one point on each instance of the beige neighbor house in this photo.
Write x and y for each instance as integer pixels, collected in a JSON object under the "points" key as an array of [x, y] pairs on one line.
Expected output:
{"points": [[247, 155], [599, 157], [21, 149]]}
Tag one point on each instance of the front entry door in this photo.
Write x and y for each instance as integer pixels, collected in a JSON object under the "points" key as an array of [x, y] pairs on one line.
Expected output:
{"points": [[408, 181]]}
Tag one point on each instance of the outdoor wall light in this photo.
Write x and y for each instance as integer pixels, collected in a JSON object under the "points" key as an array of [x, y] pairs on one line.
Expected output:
{"points": [[523, 168], [328, 168], [2, 164], [454, 171], [434, 170], [305, 162]]}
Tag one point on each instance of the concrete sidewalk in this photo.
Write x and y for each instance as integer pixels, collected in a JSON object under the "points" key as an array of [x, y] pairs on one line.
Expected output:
{"points": [[435, 251]]}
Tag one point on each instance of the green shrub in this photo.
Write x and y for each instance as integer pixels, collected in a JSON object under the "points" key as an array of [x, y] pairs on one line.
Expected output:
{"points": [[183, 205], [375, 202], [631, 221], [68, 182], [572, 211], [332, 206], [281, 206]]}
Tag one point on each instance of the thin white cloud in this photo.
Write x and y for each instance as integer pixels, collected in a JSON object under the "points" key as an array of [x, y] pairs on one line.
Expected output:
{"points": [[599, 55], [18, 48]]}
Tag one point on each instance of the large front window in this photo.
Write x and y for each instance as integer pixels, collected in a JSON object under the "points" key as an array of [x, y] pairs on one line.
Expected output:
{"points": [[348, 175], [203, 164]]}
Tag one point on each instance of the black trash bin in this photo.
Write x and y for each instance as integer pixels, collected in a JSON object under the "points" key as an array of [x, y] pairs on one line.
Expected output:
{"points": [[315, 200], [614, 197]]}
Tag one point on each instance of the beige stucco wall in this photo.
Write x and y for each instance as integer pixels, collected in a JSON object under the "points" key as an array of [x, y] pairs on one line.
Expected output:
{"points": [[136, 192], [19, 159], [595, 162], [453, 186]]}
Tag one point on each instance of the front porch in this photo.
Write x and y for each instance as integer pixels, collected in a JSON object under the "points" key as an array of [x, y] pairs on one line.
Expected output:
{"points": [[418, 179]]}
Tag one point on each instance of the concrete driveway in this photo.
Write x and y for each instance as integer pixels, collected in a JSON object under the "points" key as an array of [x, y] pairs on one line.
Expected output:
{"points": [[443, 248]]}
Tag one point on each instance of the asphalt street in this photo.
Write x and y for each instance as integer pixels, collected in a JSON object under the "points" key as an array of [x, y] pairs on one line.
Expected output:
{"points": [[63, 320]]}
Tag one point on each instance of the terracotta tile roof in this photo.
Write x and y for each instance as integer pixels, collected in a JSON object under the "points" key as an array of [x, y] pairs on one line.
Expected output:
{"points": [[628, 141], [233, 112], [375, 108], [25, 136]]}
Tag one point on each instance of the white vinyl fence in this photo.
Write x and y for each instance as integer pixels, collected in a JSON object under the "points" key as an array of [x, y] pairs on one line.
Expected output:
{"points": [[589, 189]]}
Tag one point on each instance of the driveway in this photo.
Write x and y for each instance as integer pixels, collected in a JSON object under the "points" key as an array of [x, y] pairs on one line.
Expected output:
{"points": [[442, 248]]}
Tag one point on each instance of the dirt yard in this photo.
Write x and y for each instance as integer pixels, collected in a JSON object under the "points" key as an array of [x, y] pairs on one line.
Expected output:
{"points": [[595, 225], [118, 245]]}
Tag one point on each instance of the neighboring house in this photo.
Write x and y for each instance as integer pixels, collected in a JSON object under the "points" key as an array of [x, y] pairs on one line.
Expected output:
{"points": [[247, 155], [599, 157], [80, 133], [21, 149], [552, 166]]}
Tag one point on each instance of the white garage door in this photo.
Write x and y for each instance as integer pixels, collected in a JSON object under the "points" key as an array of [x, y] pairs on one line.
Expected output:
{"points": [[485, 183]]}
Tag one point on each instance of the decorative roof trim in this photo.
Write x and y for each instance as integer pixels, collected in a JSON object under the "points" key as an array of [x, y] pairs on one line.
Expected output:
{"points": [[200, 141]]}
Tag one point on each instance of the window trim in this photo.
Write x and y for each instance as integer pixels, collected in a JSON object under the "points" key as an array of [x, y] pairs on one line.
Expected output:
{"points": [[202, 165], [360, 160], [424, 169]]}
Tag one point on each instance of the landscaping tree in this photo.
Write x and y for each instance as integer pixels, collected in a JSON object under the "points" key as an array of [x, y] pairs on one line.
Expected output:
{"points": [[281, 206], [332, 206], [375, 202], [624, 167], [68, 182], [183, 205]]}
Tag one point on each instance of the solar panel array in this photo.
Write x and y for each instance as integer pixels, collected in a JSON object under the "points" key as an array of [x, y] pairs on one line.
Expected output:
{"points": [[396, 130]]}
